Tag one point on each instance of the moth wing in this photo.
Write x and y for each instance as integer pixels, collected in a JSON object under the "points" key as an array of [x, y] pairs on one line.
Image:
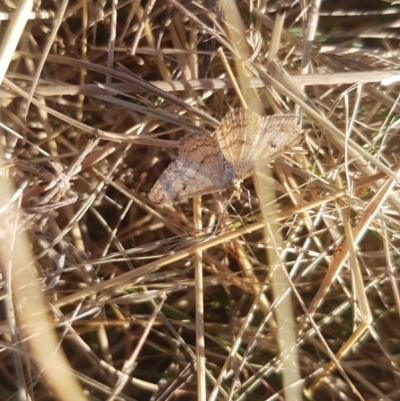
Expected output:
{"points": [[245, 137], [198, 170], [278, 134]]}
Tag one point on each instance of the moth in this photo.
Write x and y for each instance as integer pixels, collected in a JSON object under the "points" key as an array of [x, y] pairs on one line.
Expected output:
{"points": [[210, 163]]}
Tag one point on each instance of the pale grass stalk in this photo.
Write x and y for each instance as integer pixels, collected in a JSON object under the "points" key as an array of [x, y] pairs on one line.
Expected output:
{"points": [[111, 40], [148, 34], [142, 24], [311, 25], [13, 34], [201, 84], [46, 50], [232, 77], [199, 296]]}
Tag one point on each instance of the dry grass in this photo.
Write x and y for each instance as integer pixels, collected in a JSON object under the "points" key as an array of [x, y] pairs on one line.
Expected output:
{"points": [[290, 292]]}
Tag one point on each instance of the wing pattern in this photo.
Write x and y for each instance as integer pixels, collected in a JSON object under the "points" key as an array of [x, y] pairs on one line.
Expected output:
{"points": [[247, 138], [198, 170]]}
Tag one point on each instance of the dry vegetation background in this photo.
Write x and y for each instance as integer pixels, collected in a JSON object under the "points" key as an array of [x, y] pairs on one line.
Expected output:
{"points": [[289, 293]]}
